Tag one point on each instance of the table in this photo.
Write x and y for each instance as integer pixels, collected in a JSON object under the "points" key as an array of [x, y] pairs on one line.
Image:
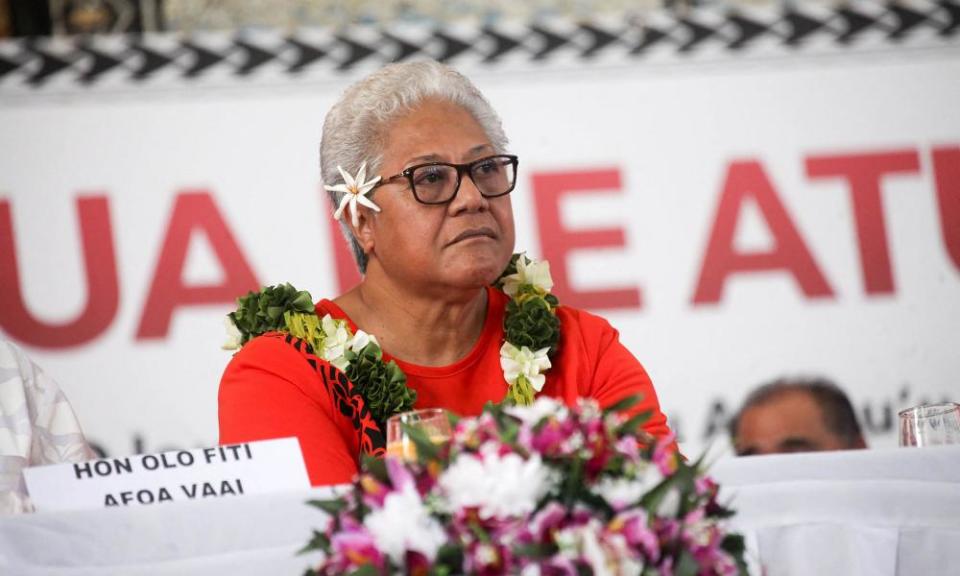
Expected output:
{"points": [[876, 512], [863, 512]]}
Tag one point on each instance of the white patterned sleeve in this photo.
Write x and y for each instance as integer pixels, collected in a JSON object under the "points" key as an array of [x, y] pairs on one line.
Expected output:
{"points": [[37, 426]]}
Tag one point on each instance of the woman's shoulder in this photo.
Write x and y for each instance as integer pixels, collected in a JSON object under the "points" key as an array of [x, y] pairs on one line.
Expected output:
{"points": [[277, 354], [277, 349], [587, 336], [586, 324]]}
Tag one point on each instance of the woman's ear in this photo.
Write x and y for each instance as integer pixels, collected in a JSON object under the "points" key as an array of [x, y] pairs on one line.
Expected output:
{"points": [[365, 230]]}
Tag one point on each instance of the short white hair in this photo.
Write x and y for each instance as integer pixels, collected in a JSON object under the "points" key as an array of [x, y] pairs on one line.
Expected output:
{"points": [[354, 129]]}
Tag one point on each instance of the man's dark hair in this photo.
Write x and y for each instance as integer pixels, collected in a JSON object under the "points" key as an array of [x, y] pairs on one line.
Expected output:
{"points": [[836, 409]]}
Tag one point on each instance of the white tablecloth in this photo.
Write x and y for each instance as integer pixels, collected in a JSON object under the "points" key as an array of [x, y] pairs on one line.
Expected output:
{"points": [[866, 512], [880, 512]]}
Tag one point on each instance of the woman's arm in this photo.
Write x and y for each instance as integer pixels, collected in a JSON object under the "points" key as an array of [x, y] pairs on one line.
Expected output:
{"points": [[270, 390], [609, 372], [619, 374]]}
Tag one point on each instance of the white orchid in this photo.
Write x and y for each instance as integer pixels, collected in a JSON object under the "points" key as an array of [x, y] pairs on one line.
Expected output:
{"points": [[620, 493], [234, 336], [600, 562], [404, 523], [648, 477], [532, 272], [541, 408], [499, 486], [354, 192], [606, 554], [526, 363]]}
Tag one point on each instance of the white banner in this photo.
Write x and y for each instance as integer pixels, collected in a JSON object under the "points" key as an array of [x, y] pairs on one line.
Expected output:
{"points": [[737, 218]]}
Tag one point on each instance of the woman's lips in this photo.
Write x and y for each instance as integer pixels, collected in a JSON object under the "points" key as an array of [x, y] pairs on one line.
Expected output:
{"points": [[482, 232]]}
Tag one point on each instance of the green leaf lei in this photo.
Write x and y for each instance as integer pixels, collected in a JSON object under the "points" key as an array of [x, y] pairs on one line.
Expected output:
{"points": [[531, 328]]}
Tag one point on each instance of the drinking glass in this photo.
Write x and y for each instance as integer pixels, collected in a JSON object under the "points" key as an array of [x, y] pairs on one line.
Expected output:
{"points": [[433, 422], [930, 425]]}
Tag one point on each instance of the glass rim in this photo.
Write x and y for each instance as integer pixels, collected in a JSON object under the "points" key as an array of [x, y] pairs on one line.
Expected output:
{"points": [[931, 409], [418, 415]]}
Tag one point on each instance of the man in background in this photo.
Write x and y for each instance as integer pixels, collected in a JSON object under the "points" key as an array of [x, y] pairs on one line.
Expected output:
{"points": [[795, 415]]}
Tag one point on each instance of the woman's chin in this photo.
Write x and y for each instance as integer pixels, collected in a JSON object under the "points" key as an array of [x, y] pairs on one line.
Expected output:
{"points": [[475, 265], [473, 274]]}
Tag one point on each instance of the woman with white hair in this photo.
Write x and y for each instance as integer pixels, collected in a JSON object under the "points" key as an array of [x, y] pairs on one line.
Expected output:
{"points": [[444, 316]]}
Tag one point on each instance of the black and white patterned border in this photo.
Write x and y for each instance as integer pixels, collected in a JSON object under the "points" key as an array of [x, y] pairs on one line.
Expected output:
{"points": [[32, 65]]}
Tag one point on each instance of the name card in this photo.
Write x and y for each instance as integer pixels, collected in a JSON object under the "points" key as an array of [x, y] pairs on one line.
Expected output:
{"points": [[179, 476]]}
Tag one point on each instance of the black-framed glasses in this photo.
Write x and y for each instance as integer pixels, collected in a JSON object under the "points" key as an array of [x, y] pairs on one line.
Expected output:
{"points": [[439, 182]]}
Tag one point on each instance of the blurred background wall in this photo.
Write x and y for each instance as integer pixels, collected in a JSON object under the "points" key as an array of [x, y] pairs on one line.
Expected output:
{"points": [[745, 189]]}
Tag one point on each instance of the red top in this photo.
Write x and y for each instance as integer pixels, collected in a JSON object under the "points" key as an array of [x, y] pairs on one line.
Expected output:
{"points": [[276, 387]]}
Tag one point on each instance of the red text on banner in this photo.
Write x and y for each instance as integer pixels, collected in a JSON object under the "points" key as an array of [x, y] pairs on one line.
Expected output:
{"points": [[193, 211], [557, 241], [103, 295], [864, 173], [747, 180], [946, 167]]}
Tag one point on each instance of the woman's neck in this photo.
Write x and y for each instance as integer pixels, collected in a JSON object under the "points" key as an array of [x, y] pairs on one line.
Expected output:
{"points": [[417, 326]]}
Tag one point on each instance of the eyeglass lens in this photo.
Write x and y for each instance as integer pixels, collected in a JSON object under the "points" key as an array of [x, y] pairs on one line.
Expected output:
{"points": [[438, 183]]}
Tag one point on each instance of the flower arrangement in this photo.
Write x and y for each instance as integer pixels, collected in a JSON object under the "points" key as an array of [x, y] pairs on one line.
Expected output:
{"points": [[542, 489]]}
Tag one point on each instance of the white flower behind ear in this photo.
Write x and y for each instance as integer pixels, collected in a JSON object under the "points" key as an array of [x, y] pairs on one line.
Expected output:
{"points": [[354, 192], [532, 272]]}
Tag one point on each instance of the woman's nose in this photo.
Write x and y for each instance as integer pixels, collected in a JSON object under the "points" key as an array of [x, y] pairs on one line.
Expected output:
{"points": [[468, 197]]}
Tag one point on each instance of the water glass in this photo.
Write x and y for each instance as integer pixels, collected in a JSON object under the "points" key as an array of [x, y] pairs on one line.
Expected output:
{"points": [[433, 422], [930, 425]]}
